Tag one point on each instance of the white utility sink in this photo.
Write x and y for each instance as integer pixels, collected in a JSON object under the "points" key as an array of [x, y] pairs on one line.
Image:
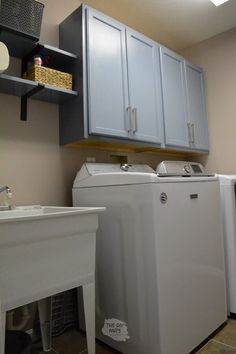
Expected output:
{"points": [[37, 211], [45, 250]]}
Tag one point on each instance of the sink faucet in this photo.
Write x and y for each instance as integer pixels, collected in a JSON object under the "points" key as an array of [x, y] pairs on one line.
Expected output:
{"points": [[7, 205], [5, 188]]}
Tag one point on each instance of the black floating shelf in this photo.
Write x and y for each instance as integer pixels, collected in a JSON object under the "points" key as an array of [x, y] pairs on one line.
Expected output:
{"points": [[56, 58], [18, 45], [54, 94], [25, 48], [16, 86], [61, 55]]}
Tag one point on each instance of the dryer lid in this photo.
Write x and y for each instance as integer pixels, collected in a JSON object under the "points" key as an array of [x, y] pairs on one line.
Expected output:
{"points": [[182, 169]]}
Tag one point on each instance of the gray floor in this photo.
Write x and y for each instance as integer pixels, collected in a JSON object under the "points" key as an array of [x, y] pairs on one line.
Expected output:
{"points": [[74, 342]]}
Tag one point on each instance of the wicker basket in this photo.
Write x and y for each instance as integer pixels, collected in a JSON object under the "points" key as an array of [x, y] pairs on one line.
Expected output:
{"points": [[49, 76]]}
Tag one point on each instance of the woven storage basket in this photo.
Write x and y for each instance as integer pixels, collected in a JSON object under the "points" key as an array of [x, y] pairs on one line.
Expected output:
{"points": [[49, 76], [22, 16]]}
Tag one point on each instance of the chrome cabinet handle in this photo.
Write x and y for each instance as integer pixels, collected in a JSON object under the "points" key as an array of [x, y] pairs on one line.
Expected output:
{"points": [[134, 120], [129, 119], [189, 133], [193, 133]]}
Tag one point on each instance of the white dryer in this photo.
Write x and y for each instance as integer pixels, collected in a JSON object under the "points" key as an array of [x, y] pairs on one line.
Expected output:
{"points": [[228, 194], [160, 273]]}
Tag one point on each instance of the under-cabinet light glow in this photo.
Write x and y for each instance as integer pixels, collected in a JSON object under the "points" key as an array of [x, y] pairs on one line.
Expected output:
{"points": [[218, 2]]}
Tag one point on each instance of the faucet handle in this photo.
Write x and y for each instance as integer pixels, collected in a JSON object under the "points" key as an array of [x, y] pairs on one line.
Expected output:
{"points": [[8, 196]]}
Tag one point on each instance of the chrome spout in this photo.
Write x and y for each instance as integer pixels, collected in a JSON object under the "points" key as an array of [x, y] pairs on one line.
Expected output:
{"points": [[5, 188]]}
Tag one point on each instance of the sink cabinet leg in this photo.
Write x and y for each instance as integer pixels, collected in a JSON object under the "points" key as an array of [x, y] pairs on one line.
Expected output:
{"points": [[3, 331], [89, 311], [45, 312]]}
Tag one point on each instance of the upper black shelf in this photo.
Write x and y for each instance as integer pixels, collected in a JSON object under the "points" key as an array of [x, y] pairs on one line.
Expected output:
{"points": [[47, 49], [19, 46], [57, 58]]}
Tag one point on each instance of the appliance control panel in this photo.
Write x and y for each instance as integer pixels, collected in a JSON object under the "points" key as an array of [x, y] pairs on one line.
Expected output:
{"points": [[181, 168]]}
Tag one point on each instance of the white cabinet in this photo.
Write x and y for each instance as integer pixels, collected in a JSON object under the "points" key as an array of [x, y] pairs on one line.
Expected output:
{"points": [[185, 120], [124, 89]]}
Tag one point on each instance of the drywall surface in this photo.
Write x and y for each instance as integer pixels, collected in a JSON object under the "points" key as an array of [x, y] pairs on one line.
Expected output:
{"points": [[217, 57], [32, 163]]}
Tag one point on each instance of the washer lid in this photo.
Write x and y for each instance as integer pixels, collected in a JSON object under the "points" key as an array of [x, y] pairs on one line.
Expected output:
{"points": [[101, 174]]}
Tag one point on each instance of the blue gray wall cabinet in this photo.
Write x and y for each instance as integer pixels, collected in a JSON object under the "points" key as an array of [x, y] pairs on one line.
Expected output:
{"points": [[131, 88], [174, 99], [185, 119], [107, 75], [196, 107], [144, 83]]}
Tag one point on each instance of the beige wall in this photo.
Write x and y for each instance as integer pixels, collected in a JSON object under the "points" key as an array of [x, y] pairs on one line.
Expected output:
{"points": [[31, 160], [217, 56]]}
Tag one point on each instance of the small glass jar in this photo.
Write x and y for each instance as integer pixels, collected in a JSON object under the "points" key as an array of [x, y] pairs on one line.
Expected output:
{"points": [[37, 60]]}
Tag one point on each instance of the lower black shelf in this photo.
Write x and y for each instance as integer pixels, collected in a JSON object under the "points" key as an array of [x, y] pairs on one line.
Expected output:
{"points": [[16, 86], [54, 94], [25, 89]]}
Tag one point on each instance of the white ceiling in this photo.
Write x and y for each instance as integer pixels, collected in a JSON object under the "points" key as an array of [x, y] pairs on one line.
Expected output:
{"points": [[175, 23]]}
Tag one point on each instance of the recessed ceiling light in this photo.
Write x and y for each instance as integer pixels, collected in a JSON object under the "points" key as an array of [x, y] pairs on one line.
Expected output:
{"points": [[218, 2]]}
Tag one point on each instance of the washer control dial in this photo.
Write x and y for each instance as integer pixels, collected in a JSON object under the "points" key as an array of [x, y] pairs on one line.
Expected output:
{"points": [[124, 167], [187, 169]]}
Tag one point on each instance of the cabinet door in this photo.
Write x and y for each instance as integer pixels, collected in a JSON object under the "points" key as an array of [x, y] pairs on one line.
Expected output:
{"points": [[144, 82], [196, 107], [174, 99], [107, 75]]}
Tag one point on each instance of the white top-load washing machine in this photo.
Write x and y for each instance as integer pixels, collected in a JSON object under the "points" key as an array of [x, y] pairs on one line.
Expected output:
{"points": [[160, 276], [228, 198]]}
